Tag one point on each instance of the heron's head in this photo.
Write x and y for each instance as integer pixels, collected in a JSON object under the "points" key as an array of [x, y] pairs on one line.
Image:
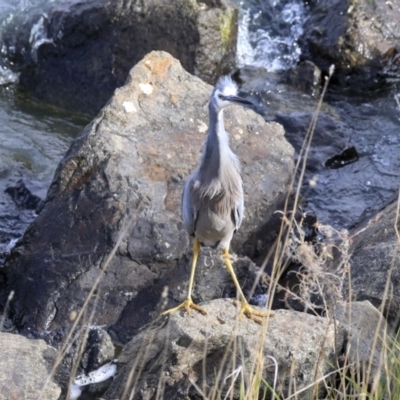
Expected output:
{"points": [[225, 94]]}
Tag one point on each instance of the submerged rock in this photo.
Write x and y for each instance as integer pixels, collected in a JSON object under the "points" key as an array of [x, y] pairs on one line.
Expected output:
{"points": [[74, 54], [23, 197], [126, 171], [305, 77]]}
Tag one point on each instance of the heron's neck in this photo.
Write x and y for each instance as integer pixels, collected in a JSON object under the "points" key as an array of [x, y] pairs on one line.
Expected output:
{"points": [[217, 144], [217, 153], [219, 171]]}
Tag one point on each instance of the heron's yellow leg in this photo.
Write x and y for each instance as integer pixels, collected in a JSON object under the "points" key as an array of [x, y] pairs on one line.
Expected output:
{"points": [[245, 308], [188, 303]]}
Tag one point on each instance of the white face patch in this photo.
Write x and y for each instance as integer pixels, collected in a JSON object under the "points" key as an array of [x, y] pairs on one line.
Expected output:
{"points": [[227, 86]]}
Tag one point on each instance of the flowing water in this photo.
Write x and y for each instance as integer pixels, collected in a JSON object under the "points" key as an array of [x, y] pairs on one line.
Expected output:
{"points": [[275, 48], [33, 139], [370, 123]]}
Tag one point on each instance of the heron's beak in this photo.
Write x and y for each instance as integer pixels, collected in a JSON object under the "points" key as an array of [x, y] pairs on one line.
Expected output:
{"points": [[237, 99]]}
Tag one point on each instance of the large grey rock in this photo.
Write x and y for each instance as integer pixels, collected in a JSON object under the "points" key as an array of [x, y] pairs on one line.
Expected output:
{"points": [[127, 169], [360, 37], [25, 366], [74, 54], [375, 264], [305, 77], [172, 358], [366, 337]]}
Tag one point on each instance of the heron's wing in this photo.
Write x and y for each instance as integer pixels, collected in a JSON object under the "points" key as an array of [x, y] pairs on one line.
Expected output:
{"points": [[238, 213], [189, 213]]}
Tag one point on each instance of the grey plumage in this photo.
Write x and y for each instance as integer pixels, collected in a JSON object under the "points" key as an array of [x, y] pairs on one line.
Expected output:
{"points": [[212, 200], [212, 203]]}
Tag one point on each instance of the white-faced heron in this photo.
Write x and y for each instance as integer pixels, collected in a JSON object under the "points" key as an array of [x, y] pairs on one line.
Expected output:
{"points": [[212, 201]]}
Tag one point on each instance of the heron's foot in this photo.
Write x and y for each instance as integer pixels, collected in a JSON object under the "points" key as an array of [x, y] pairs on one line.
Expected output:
{"points": [[187, 305], [251, 313], [229, 256]]}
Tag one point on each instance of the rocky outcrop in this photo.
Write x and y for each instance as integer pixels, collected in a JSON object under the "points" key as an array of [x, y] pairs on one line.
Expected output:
{"points": [[305, 77], [194, 356], [361, 38], [375, 266], [74, 54], [365, 341], [25, 366], [124, 175]]}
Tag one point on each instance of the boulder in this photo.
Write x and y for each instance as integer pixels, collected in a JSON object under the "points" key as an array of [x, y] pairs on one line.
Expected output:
{"points": [[120, 185], [375, 263], [361, 38], [366, 337], [74, 54], [195, 356], [25, 366], [305, 77]]}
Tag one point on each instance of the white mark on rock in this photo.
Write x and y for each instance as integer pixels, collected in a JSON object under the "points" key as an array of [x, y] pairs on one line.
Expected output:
{"points": [[167, 245], [129, 107], [202, 127], [146, 88]]}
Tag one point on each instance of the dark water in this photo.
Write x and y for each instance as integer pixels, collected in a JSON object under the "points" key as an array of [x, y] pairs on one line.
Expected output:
{"points": [[372, 125], [369, 122], [33, 139]]}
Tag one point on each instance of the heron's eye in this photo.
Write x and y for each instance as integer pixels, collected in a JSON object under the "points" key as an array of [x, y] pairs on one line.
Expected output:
{"points": [[220, 96]]}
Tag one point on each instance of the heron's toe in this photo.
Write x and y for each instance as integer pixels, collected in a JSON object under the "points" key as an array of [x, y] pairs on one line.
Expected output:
{"points": [[187, 305], [197, 308], [251, 313]]}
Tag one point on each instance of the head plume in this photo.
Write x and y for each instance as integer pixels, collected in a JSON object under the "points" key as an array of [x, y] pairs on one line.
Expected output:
{"points": [[227, 86]]}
